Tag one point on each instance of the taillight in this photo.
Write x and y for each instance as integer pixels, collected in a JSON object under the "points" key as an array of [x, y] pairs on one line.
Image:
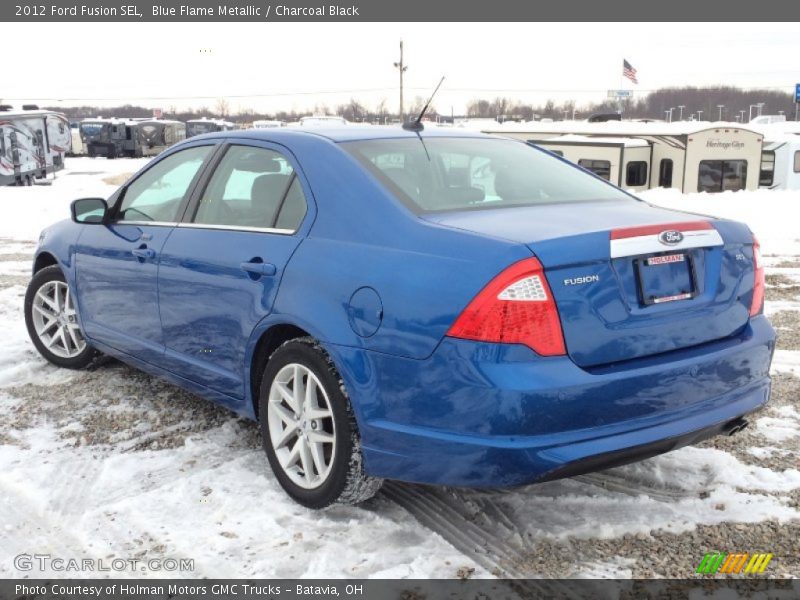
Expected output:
{"points": [[516, 307], [757, 305]]}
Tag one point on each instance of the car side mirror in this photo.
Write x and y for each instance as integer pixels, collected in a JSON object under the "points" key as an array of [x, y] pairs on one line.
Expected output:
{"points": [[89, 210]]}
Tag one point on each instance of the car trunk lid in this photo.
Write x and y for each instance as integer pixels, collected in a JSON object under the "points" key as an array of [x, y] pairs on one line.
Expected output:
{"points": [[631, 280]]}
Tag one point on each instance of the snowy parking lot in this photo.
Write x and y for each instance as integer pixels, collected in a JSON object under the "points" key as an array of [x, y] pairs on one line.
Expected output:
{"points": [[112, 463]]}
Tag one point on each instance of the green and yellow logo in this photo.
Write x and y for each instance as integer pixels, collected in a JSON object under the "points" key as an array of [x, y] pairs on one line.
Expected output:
{"points": [[739, 562]]}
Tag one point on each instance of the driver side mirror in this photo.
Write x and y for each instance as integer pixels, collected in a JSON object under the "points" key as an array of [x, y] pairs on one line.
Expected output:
{"points": [[89, 210]]}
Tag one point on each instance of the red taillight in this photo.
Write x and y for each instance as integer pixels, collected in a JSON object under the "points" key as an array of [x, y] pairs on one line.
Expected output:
{"points": [[757, 305], [516, 307]]}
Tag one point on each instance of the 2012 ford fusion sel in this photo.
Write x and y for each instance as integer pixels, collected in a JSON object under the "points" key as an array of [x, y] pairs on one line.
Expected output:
{"points": [[427, 306]]}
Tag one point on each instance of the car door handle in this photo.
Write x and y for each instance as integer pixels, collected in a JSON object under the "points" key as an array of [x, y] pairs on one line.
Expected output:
{"points": [[144, 252], [259, 268]]}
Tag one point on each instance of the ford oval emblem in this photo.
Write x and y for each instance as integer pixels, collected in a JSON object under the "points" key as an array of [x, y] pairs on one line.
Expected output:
{"points": [[670, 237]]}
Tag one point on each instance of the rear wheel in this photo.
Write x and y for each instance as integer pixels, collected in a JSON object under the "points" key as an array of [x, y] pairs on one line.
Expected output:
{"points": [[52, 320], [308, 428]]}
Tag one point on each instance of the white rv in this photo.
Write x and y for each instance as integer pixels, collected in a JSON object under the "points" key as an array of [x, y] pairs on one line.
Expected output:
{"points": [[780, 163], [622, 161], [33, 143], [692, 156], [267, 124], [205, 125]]}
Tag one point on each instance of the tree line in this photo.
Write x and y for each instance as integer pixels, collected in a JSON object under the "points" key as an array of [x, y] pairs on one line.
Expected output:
{"points": [[700, 103]]}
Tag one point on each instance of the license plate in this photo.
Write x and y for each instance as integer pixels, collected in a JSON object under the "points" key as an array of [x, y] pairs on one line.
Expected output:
{"points": [[666, 278]]}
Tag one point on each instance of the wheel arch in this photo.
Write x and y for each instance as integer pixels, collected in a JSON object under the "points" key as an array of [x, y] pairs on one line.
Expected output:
{"points": [[44, 259], [267, 342]]}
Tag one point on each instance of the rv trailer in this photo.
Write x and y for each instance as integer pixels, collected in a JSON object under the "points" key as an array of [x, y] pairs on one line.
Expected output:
{"points": [[156, 135], [111, 137], [692, 156], [267, 124], [622, 161], [780, 164], [205, 125], [33, 143]]}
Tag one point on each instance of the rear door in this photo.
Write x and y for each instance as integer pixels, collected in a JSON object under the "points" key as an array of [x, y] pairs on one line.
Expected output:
{"points": [[221, 267], [117, 263]]}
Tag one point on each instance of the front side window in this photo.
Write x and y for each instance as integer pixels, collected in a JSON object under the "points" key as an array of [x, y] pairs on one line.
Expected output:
{"points": [[441, 174], [722, 175], [767, 174], [156, 195], [601, 168], [252, 187], [636, 173], [665, 173]]}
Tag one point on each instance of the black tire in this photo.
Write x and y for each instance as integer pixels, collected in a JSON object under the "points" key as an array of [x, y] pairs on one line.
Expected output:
{"points": [[346, 483], [42, 277]]}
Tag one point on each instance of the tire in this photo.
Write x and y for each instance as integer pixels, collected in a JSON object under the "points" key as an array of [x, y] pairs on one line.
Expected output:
{"points": [[341, 478], [49, 313]]}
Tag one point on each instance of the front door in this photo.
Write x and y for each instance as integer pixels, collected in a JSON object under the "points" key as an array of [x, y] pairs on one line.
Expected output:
{"points": [[221, 268], [117, 264]]}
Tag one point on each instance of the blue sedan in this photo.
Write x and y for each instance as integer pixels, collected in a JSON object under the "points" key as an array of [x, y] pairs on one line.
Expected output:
{"points": [[427, 306]]}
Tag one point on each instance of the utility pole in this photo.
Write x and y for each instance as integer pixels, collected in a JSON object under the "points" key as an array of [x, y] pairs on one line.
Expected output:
{"points": [[402, 68]]}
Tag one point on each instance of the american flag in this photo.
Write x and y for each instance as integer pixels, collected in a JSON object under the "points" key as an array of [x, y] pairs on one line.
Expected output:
{"points": [[628, 71]]}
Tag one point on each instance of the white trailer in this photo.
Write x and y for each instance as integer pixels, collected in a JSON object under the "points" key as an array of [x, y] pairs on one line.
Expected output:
{"points": [[780, 163], [205, 125], [33, 143], [267, 124], [692, 156], [622, 161]]}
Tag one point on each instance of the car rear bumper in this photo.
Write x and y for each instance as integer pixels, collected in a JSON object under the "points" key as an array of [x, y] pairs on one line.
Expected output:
{"points": [[489, 415]]}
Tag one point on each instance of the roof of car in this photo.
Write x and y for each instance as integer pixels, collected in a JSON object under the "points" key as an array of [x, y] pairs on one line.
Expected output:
{"points": [[344, 133]]}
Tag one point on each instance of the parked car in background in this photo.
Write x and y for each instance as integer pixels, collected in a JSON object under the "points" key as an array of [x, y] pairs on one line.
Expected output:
{"points": [[428, 306]]}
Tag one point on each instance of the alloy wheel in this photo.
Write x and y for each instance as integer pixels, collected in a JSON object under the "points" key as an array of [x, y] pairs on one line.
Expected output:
{"points": [[301, 426], [55, 320]]}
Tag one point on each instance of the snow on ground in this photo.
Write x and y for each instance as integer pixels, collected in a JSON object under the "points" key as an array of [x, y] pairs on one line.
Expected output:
{"points": [[113, 463]]}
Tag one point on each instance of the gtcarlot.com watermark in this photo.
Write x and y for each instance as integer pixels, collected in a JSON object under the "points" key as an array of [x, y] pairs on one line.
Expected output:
{"points": [[48, 562]]}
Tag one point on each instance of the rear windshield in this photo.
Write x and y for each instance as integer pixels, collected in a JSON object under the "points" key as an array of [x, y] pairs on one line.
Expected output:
{"points": [[446, 174]]}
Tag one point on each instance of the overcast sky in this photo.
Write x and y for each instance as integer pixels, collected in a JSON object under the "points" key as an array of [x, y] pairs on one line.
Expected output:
{"points": [[295, 65]]}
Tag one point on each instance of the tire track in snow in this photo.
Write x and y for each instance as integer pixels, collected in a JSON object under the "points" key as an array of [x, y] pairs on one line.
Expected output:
{"points": [[484, 527]]}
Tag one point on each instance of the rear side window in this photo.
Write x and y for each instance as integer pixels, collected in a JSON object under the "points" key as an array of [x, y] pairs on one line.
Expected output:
{"points": [[665, 173], [797, 161], [156, 195], [601, 168], [636, 173], [721, 175], [252, 188], [432, 174]]}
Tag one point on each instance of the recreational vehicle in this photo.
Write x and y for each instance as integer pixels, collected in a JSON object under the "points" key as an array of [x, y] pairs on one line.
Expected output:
{"points": [[322, 121], [691, 156], [33, 143], [622, 161], [780, 164], [266, 124], [111, 137], [156, 135], [205, 125]]}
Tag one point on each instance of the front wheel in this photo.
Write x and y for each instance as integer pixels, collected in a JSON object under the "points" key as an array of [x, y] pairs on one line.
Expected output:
{"points": [[309, 430], [52, 320]]}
